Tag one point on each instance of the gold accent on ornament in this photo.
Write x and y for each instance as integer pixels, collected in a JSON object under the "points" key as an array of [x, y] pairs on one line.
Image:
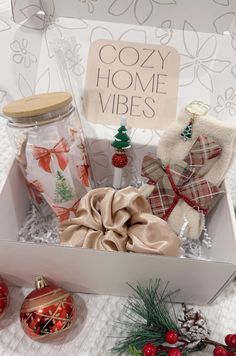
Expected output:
{"points": [[45, 301], [40, 282], [197, 108]]}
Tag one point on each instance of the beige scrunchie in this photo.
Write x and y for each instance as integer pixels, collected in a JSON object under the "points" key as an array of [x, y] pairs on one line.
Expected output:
{"points": [[118, 221]]}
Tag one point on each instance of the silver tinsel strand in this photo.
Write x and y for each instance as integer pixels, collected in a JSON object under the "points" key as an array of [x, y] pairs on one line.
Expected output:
{"points": [[43, 230], [39, 229], [206, 239], [193, 248]]}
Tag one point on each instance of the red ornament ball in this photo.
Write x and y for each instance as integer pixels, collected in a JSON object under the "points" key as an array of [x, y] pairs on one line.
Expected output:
{"points": [[119, 160], [4, 298], [149, 350], [220, 351], [47, 311], [171, 337], [174, 352], [230, 340]]}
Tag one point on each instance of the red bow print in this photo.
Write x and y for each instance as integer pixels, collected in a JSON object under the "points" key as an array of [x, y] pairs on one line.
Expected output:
{"points": [[83, 174], [63, 214], [35, 190], [180, 180], [44, 155]]}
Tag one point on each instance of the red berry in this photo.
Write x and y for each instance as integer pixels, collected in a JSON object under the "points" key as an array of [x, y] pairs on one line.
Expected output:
{"points": [[231, 340], [119, 160], [149, 350], [227, 339], [174, 352], [171, 337], [220, 351]]}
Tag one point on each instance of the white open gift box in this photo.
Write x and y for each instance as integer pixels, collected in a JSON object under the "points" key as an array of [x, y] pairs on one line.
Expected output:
{"points": [[91, 271]]}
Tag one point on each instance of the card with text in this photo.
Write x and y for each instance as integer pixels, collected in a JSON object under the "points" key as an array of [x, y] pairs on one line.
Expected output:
{"points": [[137, 80]]}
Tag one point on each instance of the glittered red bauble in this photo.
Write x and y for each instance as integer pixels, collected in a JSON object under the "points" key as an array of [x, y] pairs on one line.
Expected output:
{"points": [[4, 298], [220, 351], [119, 160], [174, 352], [171, 337], [47, 311], [149, 350]]}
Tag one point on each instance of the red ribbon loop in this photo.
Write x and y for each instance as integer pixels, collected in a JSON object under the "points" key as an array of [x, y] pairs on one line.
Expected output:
{"points": [[44, 155], [63, 213]]}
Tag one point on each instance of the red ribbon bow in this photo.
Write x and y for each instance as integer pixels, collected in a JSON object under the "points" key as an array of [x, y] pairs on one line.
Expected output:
{"points": [[44, 155], [180, 181], [63, 214]]}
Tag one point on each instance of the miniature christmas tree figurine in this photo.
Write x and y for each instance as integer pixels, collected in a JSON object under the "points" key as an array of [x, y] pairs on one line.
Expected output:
{"points": [[119, 159], [187, 132], [63, 191], [122, 140], [195, 109]]}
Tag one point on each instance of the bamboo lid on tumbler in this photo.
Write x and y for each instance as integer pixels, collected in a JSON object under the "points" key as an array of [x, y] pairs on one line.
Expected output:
{"points": [[37, 105]]}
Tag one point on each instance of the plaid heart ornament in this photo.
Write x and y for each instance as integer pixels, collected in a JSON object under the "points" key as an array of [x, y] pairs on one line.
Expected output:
{"points": [[180, 181]]}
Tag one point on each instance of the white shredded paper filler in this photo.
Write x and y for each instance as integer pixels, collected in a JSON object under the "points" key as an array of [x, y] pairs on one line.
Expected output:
{"points": [[38, 229]]}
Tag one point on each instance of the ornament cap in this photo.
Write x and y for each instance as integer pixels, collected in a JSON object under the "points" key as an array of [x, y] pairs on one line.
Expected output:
{"points": [[197, 108], [40, 282]]}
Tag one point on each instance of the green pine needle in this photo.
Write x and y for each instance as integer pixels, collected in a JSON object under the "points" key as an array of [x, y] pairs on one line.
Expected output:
{"points": [[133, 351], [147, 318]]}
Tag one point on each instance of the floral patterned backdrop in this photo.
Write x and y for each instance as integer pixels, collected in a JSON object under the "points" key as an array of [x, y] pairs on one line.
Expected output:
{"points": [[202, 31]]}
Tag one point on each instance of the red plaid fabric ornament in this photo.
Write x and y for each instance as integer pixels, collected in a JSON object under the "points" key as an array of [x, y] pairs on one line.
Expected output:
{"points": [[179, 181], [203, 150]]}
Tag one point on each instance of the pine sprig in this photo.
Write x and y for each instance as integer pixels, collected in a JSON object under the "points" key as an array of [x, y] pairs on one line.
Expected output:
{"points": [[133, 351], [147, 317]]}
